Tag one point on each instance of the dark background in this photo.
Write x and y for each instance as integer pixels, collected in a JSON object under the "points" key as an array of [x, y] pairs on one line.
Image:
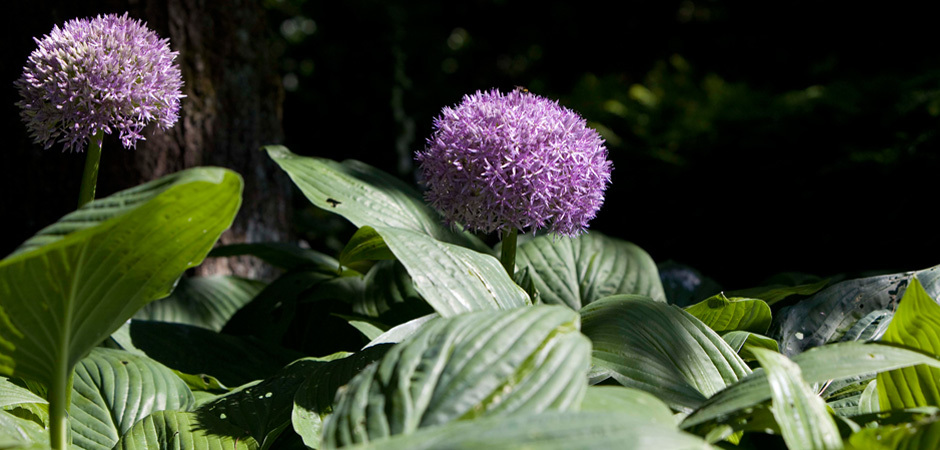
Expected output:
{"points": [[748, 138]]}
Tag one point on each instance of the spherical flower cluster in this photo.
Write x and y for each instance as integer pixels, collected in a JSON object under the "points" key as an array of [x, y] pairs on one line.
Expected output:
{"points": [[499, 161], [100, 74]]}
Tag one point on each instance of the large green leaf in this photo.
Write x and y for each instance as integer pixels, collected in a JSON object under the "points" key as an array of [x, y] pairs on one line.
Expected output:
{"points": [[551, 430], [916, 324], [179, 430], [366, 244], [77, 281], [389, 294], [21, 433], [724, 314], [916, 435], [660, 349], [207, 302], [11, 394], [578, 271], [738, 339], [800, 413], [828, 315], [453, 279], [114, 389], [618, 399], [819, 365], [365, 196], [492, 363]]}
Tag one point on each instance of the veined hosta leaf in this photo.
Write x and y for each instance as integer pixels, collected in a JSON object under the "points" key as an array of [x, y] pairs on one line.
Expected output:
{"points": [[11, 394], [739, 339], [634, 402], [819, 365], [804, 421], [401, 332], [724, 314], [388, 293], [313, 400], [366, 244], [660, 349], [19, 433], [868, 401], [453, 279], [114, 389], [178, 430], [492, 363], [366, 196], [578, 271], [916, 324], [828, 315], [918, 435], [551, 430], [77, 281], [206, 302]]}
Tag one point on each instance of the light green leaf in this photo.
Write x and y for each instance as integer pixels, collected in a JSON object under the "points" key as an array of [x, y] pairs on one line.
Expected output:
{"points": [[114, 389], [366, 196], [804, 421], [916, 324], [11, 394], [739, 339], [916, 435], [453, 279], [724, 314], [207, 302], [19, 433], [639, 404], [491, 363], [578, 271], [68, 288], [550, 430], [401, 332], [660, 349], [819, 365], [366, 244], [178, 430], [868, 402]]}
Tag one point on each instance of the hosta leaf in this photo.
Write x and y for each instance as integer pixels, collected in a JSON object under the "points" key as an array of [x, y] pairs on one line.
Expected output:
{"points": [[578, 271], [739, 340], [207, 302], [366, 244], [78, 280], [660, 349], [11, 394], [818, 365], [114, 389], [916, 324], [401, 332], [802, 416], [313, 400], [868, 401], [453, 279], [178, 430], [492, 363], [279, 254], [724, 314], [634, 402], [919, 435], [829, 314], [366, 196], [389, 294], [19, 433], [551, 430]]}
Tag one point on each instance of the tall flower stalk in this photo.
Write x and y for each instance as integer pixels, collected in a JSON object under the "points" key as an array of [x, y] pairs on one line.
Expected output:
{"points": [[95, 76], [512, 162]]}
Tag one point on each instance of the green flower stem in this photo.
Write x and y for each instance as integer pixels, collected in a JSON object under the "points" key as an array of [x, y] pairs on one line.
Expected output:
{"points": [[59, 397], [508, 253], [90, 177]]}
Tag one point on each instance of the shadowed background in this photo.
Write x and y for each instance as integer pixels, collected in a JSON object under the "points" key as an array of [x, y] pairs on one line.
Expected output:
{"points": [[747, 139]]}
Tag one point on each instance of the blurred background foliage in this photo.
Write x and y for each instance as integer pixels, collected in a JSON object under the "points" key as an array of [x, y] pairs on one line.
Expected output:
{"points": [[748, 138]]}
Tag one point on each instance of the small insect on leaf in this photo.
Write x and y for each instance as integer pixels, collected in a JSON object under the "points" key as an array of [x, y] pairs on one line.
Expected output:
{"points": [[333, 202], [521, 89]]}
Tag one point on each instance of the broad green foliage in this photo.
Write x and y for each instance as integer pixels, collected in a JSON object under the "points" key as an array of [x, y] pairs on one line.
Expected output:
{"points": [[919, 434], [916, 324], [578, 271], [484, 364], [660, 349], [77, 281], [724, 314], [207, 302], [365, 196], [801, 415], [114, 389], [741, 340], [179, 430], [634, 402], [366, 244]]}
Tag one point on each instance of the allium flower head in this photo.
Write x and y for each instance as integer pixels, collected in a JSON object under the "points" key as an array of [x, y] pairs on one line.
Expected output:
{"points": [[106, 73], [516, 160]]}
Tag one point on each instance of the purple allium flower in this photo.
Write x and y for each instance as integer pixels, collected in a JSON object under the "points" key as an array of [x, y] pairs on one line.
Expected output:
{"points": [[106, 73], [516, 160]]}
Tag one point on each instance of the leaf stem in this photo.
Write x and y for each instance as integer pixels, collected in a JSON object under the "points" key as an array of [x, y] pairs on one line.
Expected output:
{"points": [[90, 176], [59, 399], [507, 254]]}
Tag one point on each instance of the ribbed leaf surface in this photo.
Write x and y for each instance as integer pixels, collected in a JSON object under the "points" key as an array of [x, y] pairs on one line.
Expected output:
{"points": [[660, 349], [207, 302], [578, 271], [494, 363], [178, 430], [724, 314], [113, 389]]}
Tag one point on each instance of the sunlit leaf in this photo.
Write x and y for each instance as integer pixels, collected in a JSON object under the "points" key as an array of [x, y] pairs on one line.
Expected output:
{"points": [[207, 302], [365, 244], [178, 430], [724, 314]]}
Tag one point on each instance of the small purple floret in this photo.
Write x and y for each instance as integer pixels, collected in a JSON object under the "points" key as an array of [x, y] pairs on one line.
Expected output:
{"points": [[103, 74], [516, 160]]}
